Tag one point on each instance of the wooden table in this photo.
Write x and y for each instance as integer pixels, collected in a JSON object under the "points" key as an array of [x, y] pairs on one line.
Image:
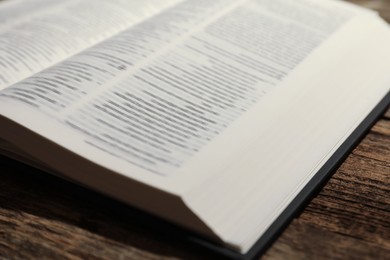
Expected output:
{"points": [[42, 217]]}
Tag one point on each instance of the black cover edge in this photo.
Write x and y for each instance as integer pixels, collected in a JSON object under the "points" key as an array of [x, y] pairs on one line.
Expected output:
{"points": [[298, 203], [272, 233], [317, 181], [306, 194]]}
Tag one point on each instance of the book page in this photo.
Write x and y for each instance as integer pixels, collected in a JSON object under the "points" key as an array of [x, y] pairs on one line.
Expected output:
{"points": [[220, 102], [158, 93], [287, 137], [37, 34]]}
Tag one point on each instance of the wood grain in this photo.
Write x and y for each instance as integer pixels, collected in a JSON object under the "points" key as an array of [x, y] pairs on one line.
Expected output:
{"points": [[43, 218], [350, 217]]}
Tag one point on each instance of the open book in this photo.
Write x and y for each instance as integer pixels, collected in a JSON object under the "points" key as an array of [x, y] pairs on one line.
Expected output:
{"points": [[213, 115]]}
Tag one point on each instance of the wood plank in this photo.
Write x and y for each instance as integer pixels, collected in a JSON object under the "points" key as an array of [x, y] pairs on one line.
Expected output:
{"points": [[381, 6], [387, 114], [348, 219], [302, 240], [42, 217]]}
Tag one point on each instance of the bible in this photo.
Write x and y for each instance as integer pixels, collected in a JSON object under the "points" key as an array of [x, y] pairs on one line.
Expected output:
{"points": [[221, 117]]}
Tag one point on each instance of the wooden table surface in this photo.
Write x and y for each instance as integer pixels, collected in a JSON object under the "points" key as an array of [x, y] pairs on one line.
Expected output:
{"points": [[41, 217]]}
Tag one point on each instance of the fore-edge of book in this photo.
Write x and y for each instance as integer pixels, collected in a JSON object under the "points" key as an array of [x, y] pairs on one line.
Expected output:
{"points": [[212, 115]]}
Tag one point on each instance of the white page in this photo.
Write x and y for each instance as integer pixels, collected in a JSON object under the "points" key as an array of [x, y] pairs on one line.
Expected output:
{"points": [[224, 150], [36, 34], [315, 109], [62, 91], [160, 92]]}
